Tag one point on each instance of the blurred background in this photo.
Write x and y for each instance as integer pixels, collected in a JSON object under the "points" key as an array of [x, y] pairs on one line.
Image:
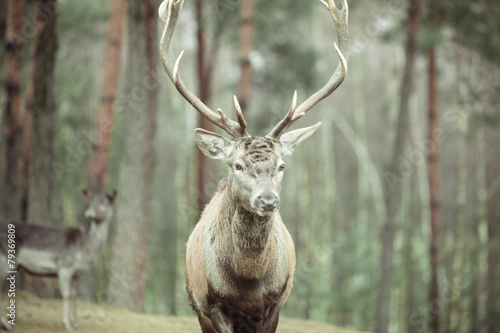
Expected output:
{"points": [[394, 203]]}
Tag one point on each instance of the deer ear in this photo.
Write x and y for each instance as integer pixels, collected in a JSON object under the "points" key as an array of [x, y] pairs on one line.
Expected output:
{"points": [[87, 193], [112, 196], [213, 145], [291, 139]]}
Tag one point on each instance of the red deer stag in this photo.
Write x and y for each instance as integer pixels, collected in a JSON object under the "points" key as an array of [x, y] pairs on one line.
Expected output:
{"points": [[240, 257]]}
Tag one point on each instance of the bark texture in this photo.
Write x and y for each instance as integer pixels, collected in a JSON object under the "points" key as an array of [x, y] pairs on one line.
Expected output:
{"points": [[247, 29], [127, 285], [433, 178], [98, 167], [44, 111], [393, 177], [205, 69], [13, 130], [434, 189]]}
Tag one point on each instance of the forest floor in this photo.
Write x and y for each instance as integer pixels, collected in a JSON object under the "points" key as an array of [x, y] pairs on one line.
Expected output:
{"points": [[34, 315]]}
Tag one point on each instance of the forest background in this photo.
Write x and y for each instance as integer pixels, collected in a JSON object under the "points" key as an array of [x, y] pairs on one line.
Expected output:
{"points": [[394, 204]]}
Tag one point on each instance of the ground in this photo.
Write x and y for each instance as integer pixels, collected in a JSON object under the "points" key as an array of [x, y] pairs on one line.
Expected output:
{"points": [[34, 315]]}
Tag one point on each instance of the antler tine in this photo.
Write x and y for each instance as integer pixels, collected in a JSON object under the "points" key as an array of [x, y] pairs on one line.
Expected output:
{"points": [[340, 17], [169, 14], [241, 118], [285, 122]]}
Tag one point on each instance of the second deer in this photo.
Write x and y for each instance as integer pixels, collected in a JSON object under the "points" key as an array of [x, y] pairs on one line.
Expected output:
{"points": [[59, 251]]}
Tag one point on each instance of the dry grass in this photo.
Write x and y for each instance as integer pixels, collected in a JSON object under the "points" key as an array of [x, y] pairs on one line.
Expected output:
{"points": [[44, 316]]}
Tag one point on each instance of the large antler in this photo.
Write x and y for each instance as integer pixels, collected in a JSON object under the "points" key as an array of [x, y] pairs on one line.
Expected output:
{"points": [[340, 17], [169, 14]]}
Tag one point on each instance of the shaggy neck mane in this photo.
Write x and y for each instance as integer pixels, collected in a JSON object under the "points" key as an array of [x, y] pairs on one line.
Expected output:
{"points": [[246, 235], [250, 231]]}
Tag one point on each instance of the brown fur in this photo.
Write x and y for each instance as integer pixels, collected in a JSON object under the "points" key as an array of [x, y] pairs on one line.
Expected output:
{"points": [[74, 235], [240, 258], [259, 149], [239, 269]]}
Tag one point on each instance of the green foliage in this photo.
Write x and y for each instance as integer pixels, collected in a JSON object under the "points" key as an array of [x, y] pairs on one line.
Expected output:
{"points": [[428, 36], [283, 30], [294, 63], [83, 18], [475, 24]]}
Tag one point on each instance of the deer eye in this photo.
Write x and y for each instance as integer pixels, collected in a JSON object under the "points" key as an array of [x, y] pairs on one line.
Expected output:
{"points": [[281, 167], [238, 167]]}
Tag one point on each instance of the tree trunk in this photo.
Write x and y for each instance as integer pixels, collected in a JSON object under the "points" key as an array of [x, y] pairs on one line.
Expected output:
{"points": [[205, 92], [127, 285], [434, 191], [247, 28], [3, 26], [28, 124], [102, 134], [14, 42], [492, 138], [38, 140], [392, 176], [42, 155], [473, 216], [433, 177], [98, 167]]}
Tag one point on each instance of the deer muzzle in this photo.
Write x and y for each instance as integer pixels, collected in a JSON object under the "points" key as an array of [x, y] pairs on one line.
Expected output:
{"points": [[266, 203], [90, 213]]}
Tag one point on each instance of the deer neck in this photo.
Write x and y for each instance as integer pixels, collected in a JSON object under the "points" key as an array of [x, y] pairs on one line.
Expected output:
{"points": [[251, 232], [97, 236], [250, 240]]}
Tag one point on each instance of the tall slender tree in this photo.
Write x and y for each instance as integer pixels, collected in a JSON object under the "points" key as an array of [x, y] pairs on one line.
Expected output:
{"points": [[44, 111], [392, 176], [98, 166], [127, 285], [38, 140], [433, 175], [102, 135], [3, 25], [247, 29], [28, 123], [14, 42], [205, 70]]}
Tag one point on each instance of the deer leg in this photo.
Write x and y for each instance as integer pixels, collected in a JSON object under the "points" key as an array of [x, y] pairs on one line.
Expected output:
{"points": [[65, 276], [271, 323], [73, 300], [220, 321], [205, 324], [3, 277]]}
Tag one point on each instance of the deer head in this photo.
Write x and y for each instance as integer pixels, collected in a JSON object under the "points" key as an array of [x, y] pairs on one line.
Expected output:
{"points": [[255, 163], [99, 206]]}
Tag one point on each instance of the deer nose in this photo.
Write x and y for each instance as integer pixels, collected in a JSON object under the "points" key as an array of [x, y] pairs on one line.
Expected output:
{"points": [[89, 213], [268, 201]]}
